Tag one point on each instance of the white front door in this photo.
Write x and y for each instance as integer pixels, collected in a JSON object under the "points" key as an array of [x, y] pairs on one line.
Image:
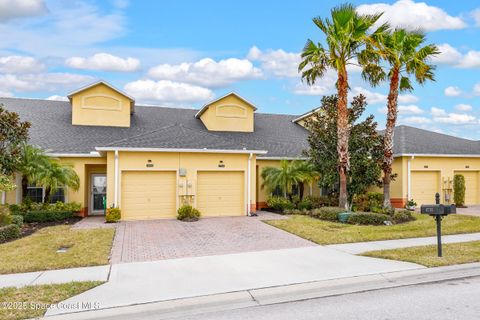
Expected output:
{"points": [[98, 191]]}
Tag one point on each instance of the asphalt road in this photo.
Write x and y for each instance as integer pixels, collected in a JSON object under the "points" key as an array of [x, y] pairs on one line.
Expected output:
{"points": [[457, 299]]}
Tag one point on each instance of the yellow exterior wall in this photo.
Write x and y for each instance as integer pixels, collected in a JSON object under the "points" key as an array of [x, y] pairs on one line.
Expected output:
{"points": [[229, 114], [173, 161], [100, 105]]}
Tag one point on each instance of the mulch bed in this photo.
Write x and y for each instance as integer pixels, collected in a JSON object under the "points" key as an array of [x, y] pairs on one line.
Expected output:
{"points": [[29, 228]]}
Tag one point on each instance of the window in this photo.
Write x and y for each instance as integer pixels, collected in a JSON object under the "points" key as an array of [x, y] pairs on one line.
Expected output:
{"points": [[277, 192], [58, 195], [34, 193]]}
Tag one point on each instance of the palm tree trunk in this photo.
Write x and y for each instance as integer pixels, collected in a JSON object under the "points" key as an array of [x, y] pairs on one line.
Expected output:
{"points": [[388, 137], [342, 136], [47, 195], [300, 190]]}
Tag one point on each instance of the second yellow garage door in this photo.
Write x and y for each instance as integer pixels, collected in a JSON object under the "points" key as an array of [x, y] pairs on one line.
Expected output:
{"points": [[471, 186], [148, 195], [424, 185], [220, 193]]}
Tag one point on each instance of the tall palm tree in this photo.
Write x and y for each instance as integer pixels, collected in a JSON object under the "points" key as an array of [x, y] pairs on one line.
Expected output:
{"points": [[56, 176], [346, 33], [289, 173], [406, 56], [308, 174]]}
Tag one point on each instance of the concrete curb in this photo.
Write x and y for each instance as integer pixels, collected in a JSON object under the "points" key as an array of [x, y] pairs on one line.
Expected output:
{"points": [[280, 294]]}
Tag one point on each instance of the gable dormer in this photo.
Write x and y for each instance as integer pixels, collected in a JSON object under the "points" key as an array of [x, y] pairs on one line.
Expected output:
{"points": [[228, 113], [301, 120], [101, 104]]}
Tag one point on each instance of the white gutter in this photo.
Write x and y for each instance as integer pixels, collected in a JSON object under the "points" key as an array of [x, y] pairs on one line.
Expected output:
{"points": [[205, 150], [75, 155], [4, 197], [249, 182], [409, 178], [437, 155], [283, 158], [18, 191], [116, 180]]}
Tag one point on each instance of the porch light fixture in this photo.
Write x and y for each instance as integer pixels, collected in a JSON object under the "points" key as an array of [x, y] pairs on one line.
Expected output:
{"points": [[221, 164]]}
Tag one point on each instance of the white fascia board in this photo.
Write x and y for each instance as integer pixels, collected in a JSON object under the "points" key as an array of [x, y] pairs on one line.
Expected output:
{"points": [[75, 155], [241, 151], [437, 155], [283, 158]]}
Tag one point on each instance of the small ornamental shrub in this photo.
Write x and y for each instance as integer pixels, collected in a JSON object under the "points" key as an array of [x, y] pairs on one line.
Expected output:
{"points": [[46, 216], [17, 219], [188, 213], [369, 202], [305, 204], [15, 209], [459, 190], [113, 215], [5, 217], [9, 232], [280, 204], [368, 218], [402, 217], [327, 213]]}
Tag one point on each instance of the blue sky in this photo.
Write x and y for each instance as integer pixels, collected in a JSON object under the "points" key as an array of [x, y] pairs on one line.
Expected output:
{"points": [[185, 53]]}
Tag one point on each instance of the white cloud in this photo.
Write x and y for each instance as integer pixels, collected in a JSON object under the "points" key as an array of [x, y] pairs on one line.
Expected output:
{"points": [[407, 98], [456, 118], [318, 89], [452, 91], [476, 89], [11, 9], [43, 81], [20, 64], [207, 72], [463, 107], [476, 17], [437, 112], [277, 62], [414, 15], [166, 91], [372, 97], [404, 109], [470, 60], [104, 62], [448, 55], [417, 120], [6, 94], [56, 97]]}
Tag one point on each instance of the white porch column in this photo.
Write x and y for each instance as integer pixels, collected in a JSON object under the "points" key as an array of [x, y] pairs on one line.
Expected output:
{"points": [[249, 179], [116, 180], [409, 179]]}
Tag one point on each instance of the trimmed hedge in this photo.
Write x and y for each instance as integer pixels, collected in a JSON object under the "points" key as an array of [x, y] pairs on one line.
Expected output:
{"points": [[327, 213], [280, 204], [17, 219], [459, 190], [113, 215], [46, 216], [10, 232], [368, 218], [403, 216], [188, 213]]}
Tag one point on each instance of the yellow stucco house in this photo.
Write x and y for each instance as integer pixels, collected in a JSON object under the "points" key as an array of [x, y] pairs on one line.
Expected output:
{"points": [[149, 160]]}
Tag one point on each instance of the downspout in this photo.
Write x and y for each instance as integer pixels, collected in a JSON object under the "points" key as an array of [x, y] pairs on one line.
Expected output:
{"points": [[249, 182], [409, 178], [4, 197], [115, 201]]}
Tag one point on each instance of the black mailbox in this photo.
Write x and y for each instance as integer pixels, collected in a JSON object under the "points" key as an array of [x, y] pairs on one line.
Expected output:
{"points": [[438, 211]]}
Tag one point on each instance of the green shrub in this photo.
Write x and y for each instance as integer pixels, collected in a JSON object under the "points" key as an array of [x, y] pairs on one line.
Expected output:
{"points": [[369, 202], [305, 204], [280, 204], [368, 218], [459, 190], [188, 213], [113, 215], [62, 206], [5, 217], [297, 211], [327, 213], [403, 216], [9, 232], [15, 209], [46, 216], [17, 219]]}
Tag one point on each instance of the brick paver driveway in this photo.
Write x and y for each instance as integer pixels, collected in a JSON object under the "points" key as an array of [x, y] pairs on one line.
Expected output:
{"points": [[169, 239]]}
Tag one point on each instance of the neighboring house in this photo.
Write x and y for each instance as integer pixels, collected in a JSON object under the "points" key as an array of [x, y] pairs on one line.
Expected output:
{"points": [[149, 160]]}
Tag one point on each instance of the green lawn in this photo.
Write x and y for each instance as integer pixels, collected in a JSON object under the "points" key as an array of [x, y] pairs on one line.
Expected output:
{"points": [[88, 247], [453, 253], [324, 232], [30, 302]]}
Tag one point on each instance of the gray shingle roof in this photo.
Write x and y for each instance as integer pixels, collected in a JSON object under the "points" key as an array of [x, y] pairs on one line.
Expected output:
{"points": [[159, 127], [154, 127]]}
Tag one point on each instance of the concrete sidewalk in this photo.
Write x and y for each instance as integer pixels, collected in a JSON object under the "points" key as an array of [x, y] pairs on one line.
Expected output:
{"points": [[361, 247], [99, 273], [144, 282]]}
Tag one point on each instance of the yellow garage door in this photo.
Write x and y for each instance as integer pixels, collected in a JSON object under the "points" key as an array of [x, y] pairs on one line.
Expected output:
{"points": [[424, 185], [471, 186], [220, 193], [148, 195]]}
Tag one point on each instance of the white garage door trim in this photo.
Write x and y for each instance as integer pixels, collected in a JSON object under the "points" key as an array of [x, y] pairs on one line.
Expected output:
{"points": [[143, 170], [245, 192]]}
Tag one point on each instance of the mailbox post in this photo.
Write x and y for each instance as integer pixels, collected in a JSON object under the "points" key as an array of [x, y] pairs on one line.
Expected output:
{"points": [[438, 211]]}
